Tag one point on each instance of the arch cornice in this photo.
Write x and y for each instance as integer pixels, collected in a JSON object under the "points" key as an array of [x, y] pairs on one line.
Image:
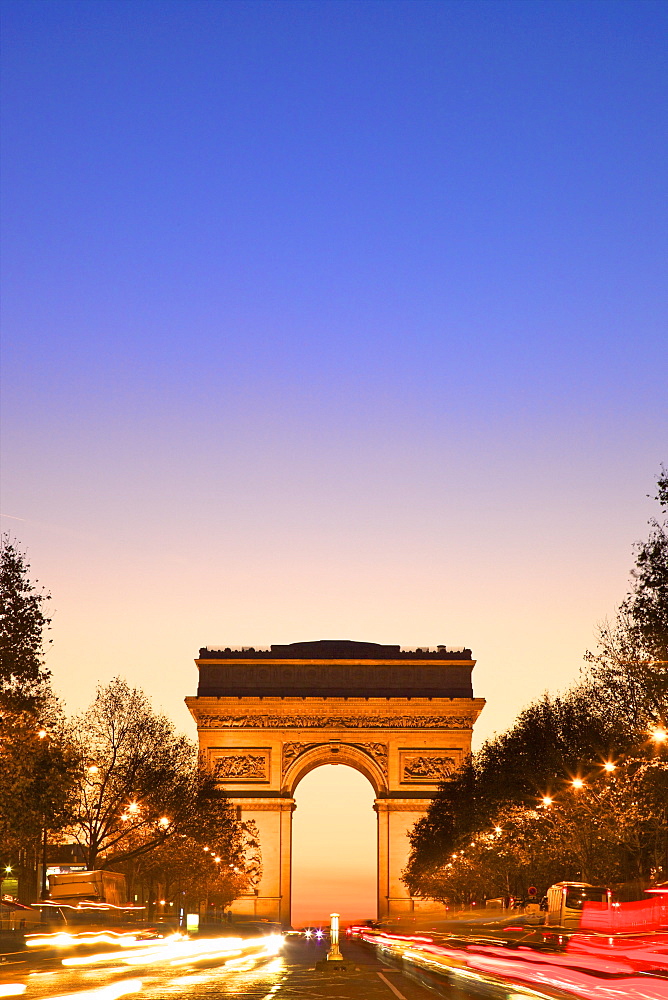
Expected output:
{"points": [[369, 759]]}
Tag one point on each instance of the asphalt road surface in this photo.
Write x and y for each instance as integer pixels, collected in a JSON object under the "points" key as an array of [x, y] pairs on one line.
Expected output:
{"points": [[289, 975]]}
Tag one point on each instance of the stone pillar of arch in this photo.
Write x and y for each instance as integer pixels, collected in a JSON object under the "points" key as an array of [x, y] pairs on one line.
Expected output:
{"points": [[265, 718]]}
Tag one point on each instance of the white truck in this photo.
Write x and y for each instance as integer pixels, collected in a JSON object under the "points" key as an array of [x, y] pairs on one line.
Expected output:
{"points": [[567, 902], [88, 887]]}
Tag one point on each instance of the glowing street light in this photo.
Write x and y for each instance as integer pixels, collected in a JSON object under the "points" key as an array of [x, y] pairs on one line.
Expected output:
{"points": [[577, 783], [609, 766], [334, 954], [163, 822], [93, 769], [547, 800], [8, 869], [498, 829], [133, 808], [659, 735], [41, 734]]}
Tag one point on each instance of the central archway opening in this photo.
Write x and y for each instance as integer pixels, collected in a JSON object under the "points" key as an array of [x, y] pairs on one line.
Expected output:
{"points": [[334, 847]]}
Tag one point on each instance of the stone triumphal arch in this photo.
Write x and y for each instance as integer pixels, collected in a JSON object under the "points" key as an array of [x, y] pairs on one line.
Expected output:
{"points": [[266, 717]]}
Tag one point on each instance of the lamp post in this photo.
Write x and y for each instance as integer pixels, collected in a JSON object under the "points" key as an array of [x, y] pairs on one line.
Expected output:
{"points": [[43, 737], [44, 894], [334, 955]]}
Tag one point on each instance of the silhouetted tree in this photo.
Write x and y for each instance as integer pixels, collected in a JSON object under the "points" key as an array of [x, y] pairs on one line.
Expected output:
{"points": [[218, 860], [23, 622], [621, 700], [647, 604], [37, 761], [548, 741], [144, 799], [138, 778], [629, 671]]}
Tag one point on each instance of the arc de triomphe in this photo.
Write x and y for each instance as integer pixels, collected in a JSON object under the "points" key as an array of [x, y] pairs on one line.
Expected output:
{"points": [[266, 717]]}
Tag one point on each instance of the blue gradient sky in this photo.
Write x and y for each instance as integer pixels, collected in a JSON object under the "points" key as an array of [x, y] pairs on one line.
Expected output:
{"points": [[332, 320]]}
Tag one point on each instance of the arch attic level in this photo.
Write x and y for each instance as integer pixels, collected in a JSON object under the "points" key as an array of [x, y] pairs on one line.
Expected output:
{"points": [[266, 717]]}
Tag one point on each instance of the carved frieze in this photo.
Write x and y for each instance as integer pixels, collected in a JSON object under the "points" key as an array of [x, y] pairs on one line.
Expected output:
{"points": [[293, 750], [429, 766], [241, 764], [376, 750], [335, 722]]}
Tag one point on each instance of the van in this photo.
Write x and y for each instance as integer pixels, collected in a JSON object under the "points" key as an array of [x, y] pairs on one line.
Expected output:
{"points": [[97, 887], [569, 902]]}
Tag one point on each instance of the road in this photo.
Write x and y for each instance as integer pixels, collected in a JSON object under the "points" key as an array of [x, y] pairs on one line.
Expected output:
{"points": [[102, 965], [289, 975]]}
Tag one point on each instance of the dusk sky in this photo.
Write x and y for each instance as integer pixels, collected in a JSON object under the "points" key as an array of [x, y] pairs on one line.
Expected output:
{"points": [[332, 320]]}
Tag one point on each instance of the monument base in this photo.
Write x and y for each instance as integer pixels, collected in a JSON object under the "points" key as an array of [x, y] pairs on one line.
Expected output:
{"points": [[335, 966]]}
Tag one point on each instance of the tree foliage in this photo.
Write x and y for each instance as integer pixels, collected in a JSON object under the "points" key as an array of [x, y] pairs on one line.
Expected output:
{"points": [[37, 761], [616, 825], [146, 806], [117, 779], [547, 742], [37, 772], [23, 622], [647, 604], [217, 861], [630, 666], [611, 829], [139, 780]]}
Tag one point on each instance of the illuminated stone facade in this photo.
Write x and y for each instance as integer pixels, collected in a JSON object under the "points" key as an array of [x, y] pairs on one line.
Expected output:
{"points": [[403, 718]]}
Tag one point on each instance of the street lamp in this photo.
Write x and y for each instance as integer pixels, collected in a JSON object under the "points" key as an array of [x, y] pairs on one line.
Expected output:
{"points": [[577, 783], [659, 734], [609, 766], [42, 735], [547, 800]]}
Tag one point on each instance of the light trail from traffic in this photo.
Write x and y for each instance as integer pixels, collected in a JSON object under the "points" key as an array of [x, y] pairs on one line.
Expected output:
{"points": [[589, 967], [179, 950], [63, 939], [227, 966]]}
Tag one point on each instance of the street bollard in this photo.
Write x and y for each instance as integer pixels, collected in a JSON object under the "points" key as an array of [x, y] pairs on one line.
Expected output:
{"points": [[334, 955]]}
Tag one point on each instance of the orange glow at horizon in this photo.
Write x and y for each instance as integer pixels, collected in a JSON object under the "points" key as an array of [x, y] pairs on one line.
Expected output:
{"points": [[333, 847]]}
